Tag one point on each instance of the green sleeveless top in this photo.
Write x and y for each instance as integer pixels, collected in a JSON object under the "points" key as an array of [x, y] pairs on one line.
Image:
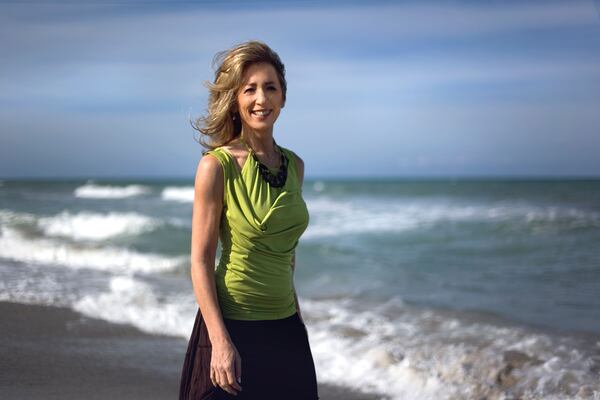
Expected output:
{"points": [[259, 230]]}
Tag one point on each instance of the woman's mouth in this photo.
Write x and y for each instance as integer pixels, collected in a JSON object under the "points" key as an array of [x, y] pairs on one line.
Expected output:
{"points": [[261, 113]]}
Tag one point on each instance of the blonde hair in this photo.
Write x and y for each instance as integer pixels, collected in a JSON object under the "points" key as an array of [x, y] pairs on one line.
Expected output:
{"points": [[221, 125]]}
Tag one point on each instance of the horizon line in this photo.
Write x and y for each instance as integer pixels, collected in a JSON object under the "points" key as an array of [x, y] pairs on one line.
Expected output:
{"points": [[314, 178]]}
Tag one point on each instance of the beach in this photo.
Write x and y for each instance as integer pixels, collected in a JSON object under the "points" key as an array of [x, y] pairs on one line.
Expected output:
{"points": [[56, 353], [414, 290]]}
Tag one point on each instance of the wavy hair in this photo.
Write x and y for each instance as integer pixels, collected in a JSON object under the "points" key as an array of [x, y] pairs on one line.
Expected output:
{"points": [[221, 124]]}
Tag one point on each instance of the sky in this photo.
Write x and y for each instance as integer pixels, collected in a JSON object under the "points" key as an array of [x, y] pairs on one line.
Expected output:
{"points": [[375, 89]]}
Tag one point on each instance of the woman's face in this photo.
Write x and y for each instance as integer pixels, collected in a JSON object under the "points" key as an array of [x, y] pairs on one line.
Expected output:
{"points": [[260, 98]]}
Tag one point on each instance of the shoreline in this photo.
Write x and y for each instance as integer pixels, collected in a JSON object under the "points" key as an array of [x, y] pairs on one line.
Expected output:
{"points": [[51, 352]]}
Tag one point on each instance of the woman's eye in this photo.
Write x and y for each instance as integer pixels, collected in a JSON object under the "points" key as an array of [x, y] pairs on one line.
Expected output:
{"points": [[249, 90]]}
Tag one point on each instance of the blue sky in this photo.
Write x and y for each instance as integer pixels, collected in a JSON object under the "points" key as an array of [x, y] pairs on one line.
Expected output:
{"points": [[407, 89]]}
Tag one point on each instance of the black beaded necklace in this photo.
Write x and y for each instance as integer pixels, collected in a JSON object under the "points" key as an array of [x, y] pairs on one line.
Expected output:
{"points": [[273, 180]]}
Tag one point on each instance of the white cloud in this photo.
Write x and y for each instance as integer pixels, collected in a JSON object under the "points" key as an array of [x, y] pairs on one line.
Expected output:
{"points": [[192, 33], [354, 71]]}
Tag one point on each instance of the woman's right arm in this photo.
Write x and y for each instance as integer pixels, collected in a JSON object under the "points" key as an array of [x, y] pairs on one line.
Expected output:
{"points": [[206, 217]]}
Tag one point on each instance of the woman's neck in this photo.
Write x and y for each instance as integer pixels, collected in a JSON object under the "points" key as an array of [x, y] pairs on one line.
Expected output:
{"points": [[261, 143]]}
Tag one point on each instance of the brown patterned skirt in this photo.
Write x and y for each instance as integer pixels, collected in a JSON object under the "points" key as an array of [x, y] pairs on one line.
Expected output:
{"points": [[195, 375], [277, 361]]}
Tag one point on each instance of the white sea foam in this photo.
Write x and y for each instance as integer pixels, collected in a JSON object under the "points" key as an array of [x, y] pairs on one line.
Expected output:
{"points": [[184, 194], [14, 246], [96, 226], [134, 302], [393, 349], [9, 217], [411, 354], [34, 287], [92, 190], [318, 186], [330, 217]]}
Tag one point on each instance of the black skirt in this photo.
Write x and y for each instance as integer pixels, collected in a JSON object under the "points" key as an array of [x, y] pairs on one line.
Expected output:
{"points": [[277, 362]]}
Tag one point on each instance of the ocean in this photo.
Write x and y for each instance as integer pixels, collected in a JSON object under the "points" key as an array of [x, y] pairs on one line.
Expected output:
{"points": [[415, 289]]}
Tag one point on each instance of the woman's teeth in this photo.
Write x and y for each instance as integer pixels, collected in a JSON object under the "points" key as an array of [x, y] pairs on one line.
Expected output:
{"points": [[261, 113]]}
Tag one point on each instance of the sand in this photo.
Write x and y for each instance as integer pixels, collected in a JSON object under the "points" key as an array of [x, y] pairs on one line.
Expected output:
{"points": [[56, 353]]}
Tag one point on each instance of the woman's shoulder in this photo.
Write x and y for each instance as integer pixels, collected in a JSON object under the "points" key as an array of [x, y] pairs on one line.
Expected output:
{"points": [[293, 154], [211, 163], [212, 151], [216, 152], [295, 162]]}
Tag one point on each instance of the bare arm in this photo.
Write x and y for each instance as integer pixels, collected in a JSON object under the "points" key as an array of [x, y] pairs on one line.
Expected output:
{"points": [[206, 214], [206, 217]]}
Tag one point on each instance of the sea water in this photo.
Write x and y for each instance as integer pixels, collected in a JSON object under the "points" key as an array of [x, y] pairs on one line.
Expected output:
{"points": [[414, 289]]}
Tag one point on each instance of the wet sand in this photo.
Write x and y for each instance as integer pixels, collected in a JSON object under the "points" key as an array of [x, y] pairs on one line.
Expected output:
{"points": [[56, 353]]}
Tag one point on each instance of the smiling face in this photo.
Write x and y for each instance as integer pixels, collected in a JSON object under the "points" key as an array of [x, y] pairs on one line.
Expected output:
{"points": [[260, 98]]}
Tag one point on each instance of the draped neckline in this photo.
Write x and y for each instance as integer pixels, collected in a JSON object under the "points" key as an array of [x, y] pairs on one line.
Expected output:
{"points": [[249, 160], [282, 194]]}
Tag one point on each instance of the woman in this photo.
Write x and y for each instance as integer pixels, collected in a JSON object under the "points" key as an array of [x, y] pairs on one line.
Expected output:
{"points": [[249, 340]]}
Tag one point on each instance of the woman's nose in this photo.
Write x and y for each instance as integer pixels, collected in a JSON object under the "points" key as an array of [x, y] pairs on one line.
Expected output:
{"points": [[260, 96]]}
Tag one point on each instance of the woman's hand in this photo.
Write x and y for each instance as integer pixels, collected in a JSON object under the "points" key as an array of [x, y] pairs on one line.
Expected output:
{"points": [[226, 367]]}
